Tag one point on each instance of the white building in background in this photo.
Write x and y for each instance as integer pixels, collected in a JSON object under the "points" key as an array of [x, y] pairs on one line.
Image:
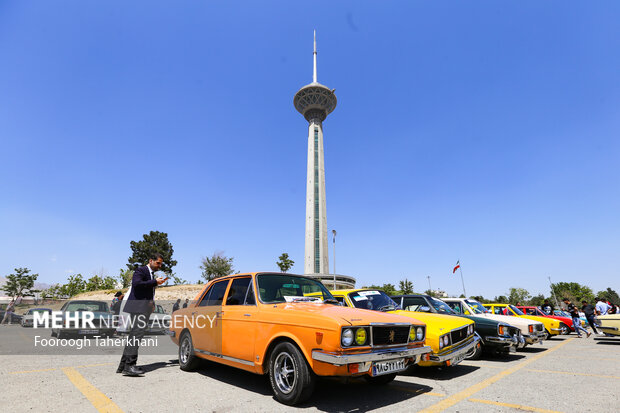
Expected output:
{"points": [[315, 101]]}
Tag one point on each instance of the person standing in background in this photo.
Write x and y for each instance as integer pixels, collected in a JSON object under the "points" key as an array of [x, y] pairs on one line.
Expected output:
{"points": [[176, 305], [601, 306], [574, 313]]}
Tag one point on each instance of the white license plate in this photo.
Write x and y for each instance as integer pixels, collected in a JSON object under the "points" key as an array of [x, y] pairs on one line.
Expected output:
{"points": [[387, 367], [88, 331], [456, 360]]}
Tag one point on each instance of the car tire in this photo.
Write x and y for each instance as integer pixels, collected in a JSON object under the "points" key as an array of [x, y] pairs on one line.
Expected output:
{"points": [[187, 359], [547, 335], [565, 329], [380, 380], [290, 376], [53, 334], [61, 335], [475, 355]]}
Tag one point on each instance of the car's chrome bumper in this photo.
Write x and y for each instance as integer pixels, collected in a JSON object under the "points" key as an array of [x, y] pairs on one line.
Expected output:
{"points": [[532, 339], [509, 341], [375, 355], [462, 348]]}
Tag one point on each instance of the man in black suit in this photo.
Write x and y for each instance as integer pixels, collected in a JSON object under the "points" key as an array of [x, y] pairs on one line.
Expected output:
{"points": [[139, 305]]}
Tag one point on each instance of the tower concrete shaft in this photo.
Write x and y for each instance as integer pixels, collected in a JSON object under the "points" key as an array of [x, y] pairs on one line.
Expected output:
{"points": [[315, 101], [316, 259]]}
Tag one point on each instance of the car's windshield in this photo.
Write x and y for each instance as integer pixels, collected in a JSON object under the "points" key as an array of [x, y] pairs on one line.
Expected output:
{"points": [[441, 307], [476, 307], [373, 300], [516, 310], [279, 288], [87, 306], [38, 310]]}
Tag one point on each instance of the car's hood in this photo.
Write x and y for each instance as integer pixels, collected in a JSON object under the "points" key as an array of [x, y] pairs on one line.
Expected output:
{"points": [[326, 316], [547, 321], [436, 324], [482, 321], [514, 321]]}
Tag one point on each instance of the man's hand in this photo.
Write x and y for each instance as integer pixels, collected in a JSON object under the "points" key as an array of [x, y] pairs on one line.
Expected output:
{"points": [[161, 280]]}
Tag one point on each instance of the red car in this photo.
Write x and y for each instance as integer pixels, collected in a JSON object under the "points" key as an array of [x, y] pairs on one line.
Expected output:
{"points": [[567, 325]]}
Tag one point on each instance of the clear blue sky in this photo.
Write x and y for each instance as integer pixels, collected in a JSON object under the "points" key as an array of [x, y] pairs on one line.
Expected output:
{"points": [[482, 131]]}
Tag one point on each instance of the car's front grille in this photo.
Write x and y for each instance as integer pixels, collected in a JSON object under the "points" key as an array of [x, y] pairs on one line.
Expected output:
{"points": [[513, 331], [388, 335], [458, 335], [538, 327]]}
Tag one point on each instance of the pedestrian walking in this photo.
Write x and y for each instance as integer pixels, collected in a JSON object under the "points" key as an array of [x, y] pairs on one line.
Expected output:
{"points": [[590, 312], [574, 313], [116, 302], [601, 306], [8, 312], [139, 306]]}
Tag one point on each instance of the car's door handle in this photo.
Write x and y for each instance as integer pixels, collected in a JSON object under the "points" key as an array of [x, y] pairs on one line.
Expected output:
{"points": [[247, 315]]}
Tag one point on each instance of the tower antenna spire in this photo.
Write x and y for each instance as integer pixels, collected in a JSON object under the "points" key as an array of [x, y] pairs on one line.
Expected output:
{"points": [[314, 72]]}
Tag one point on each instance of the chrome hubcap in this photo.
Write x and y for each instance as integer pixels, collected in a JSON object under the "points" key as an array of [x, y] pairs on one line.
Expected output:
{"points": [[185, 351], [284, 373]]}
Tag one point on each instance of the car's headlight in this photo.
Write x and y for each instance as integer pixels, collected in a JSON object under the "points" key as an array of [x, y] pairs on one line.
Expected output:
{"points": [[347, 337], [501, 330], [412, 334], [470, 329], [419, 333], [360, 336], [531, 328], [444, 341]]}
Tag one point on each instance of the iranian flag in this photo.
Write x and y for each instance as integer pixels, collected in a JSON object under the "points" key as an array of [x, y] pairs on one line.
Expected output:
{"points": [[456, 267]]}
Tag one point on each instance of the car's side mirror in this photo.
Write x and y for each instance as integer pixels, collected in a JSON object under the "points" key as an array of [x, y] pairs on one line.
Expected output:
{"points": [[424, 309]]}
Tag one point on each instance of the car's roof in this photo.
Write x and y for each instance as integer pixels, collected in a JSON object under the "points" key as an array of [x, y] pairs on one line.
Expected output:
{"points": [[412, 295], [87, 301]]}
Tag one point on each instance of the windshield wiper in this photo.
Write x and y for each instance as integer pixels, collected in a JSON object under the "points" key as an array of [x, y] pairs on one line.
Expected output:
{"points": [[331, 301], [388, 307]]}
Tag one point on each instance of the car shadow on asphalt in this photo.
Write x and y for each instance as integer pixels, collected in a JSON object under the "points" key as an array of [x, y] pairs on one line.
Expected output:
{"points": [[161, 364], [333, 394], [505, 358], [440, 373], [330, 394], [530, 349]]}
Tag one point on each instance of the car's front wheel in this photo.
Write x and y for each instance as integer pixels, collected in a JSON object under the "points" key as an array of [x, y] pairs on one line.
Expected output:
{"points": [[187, 359], [547, 335], [565, 329], [475, 354], [380, 380], [291, 378]]}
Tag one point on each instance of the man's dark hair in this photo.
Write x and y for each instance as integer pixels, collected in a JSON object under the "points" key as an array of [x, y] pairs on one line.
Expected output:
{"points": [[565, 299], [118, 294], [597, 299], [155, 256]]}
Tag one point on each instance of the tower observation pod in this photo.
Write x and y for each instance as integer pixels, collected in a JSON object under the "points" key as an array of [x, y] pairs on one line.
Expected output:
{"points": [[315, 101]]}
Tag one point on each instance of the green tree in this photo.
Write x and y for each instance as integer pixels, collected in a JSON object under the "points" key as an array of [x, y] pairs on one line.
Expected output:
{"points": [[501, 299], [609, 295], [124, 277], [75, 285], [431, 293], [480, 299], [389, 289], [153, 242], [19, 283], [176, 280], [98, 282], [537, 300], [285, 262], [216, 266], [518, 295], [573, 291], [406, 286]]}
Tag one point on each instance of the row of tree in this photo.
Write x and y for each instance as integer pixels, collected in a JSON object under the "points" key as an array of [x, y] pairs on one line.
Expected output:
{"points": [[21, 283]]}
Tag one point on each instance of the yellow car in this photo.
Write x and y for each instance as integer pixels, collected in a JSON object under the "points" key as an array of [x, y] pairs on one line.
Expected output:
{"points": [[552, 326], [609, 324], [451, 338]]}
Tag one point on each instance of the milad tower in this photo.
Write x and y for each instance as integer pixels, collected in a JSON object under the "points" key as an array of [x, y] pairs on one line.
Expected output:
{"points": [[315, 101]]}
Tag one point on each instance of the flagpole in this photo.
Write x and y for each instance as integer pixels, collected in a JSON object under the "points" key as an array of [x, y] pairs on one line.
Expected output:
{"points": [[463, 282]]}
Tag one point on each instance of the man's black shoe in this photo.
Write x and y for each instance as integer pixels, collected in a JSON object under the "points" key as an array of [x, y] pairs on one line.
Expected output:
{"points": [[120, 369], [132, 371]]}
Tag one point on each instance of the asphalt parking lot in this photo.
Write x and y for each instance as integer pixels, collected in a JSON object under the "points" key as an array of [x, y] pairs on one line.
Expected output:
{"points": [[564, 374]]}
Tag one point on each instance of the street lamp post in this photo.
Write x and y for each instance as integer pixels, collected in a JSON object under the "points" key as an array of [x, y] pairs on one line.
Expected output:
{"points": [[430, 290], [334, 234]]}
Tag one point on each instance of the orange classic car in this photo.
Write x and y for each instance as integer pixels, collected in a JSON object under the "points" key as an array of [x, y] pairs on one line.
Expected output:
{"points": [[291, 328]]}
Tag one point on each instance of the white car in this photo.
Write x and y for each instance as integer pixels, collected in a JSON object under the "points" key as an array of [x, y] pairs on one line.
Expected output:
{"points": [[28, 318], [532, 331], [159, 321]]}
